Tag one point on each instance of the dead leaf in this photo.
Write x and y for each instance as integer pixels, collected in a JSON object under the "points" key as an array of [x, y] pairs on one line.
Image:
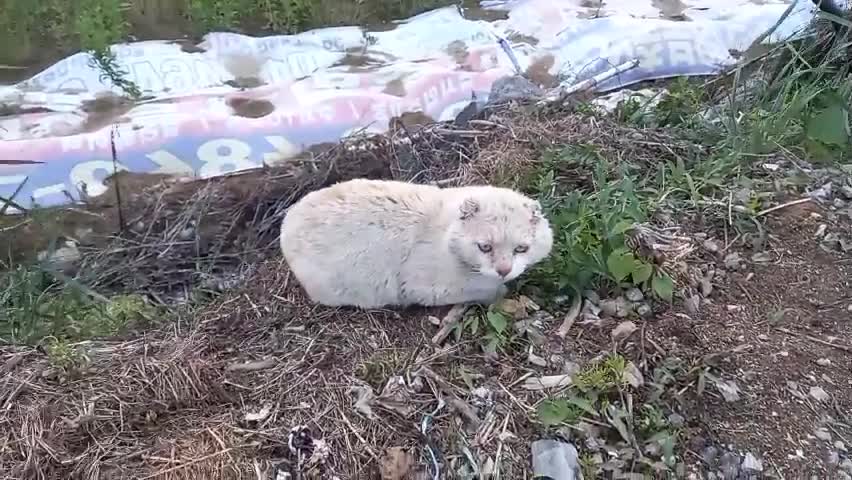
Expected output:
{"points": [[396, 464], [514, 308]]}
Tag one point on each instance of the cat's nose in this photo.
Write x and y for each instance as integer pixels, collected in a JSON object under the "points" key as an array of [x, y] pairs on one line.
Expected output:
{"points": [[504, 270]]}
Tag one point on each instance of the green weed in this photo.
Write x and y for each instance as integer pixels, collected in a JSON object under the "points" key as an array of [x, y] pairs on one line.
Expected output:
{"points": [[591, 223], [34, 305], [490, 325]]}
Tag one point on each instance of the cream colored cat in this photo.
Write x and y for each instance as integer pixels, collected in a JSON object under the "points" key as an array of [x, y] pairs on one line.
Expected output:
{"points": [[372, 243]]}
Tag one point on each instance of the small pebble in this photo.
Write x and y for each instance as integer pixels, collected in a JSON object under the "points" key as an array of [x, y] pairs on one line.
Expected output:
{"points": [[643, 310], [634, 295], [817, 393], [763, 337], [824, 362], [711, 246]]}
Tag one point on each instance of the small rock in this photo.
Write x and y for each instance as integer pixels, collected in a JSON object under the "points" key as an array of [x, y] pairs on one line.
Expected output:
{"points": [[732, 261], [820, 232], [676, 420], [818, 394], [711, 246], [846, 192], [634, 295], [643, 310], [838, 203], [840, 446], [623, 330], [823, 362], [763, 337], [751, 464], [187, 233]]}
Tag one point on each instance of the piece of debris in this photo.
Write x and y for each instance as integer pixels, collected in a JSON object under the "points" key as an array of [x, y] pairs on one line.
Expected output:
{"points": [[364, 400], [729, 390], [751, 464], [252, 366], [823, 362], [396, 464], [261, 415], [547, 382], [555, 460], [623, 330], [818, 394], [449, 322], [570, 317], [535, 359]]}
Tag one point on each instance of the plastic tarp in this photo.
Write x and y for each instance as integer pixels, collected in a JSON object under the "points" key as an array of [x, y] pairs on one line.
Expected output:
{"points": [[236, 102]]}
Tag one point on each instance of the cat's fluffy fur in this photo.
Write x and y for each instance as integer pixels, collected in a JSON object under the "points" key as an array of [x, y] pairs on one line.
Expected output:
{"points": [[373, 243]]}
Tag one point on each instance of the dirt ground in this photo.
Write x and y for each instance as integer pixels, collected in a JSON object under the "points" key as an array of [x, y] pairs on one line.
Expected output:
{"points": [[259, 382]]}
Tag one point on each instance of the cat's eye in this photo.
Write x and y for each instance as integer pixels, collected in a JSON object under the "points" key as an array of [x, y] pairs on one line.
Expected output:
{"points": [[484, 247], [522, 249]]}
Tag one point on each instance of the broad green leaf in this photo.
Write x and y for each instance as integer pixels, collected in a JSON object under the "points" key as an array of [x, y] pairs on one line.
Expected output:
{"points": [[642, 272], [620, 264], [829, 126], [584, 405], [553, 412], [498, 321], [663, 286]]}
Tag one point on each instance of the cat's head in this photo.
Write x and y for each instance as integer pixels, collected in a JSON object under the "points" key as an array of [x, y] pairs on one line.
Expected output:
{"points": [[498, 232]]}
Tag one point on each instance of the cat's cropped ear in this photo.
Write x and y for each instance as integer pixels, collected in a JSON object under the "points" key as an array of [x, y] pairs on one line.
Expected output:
{"points": [[535, 209], [468, 208]]}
